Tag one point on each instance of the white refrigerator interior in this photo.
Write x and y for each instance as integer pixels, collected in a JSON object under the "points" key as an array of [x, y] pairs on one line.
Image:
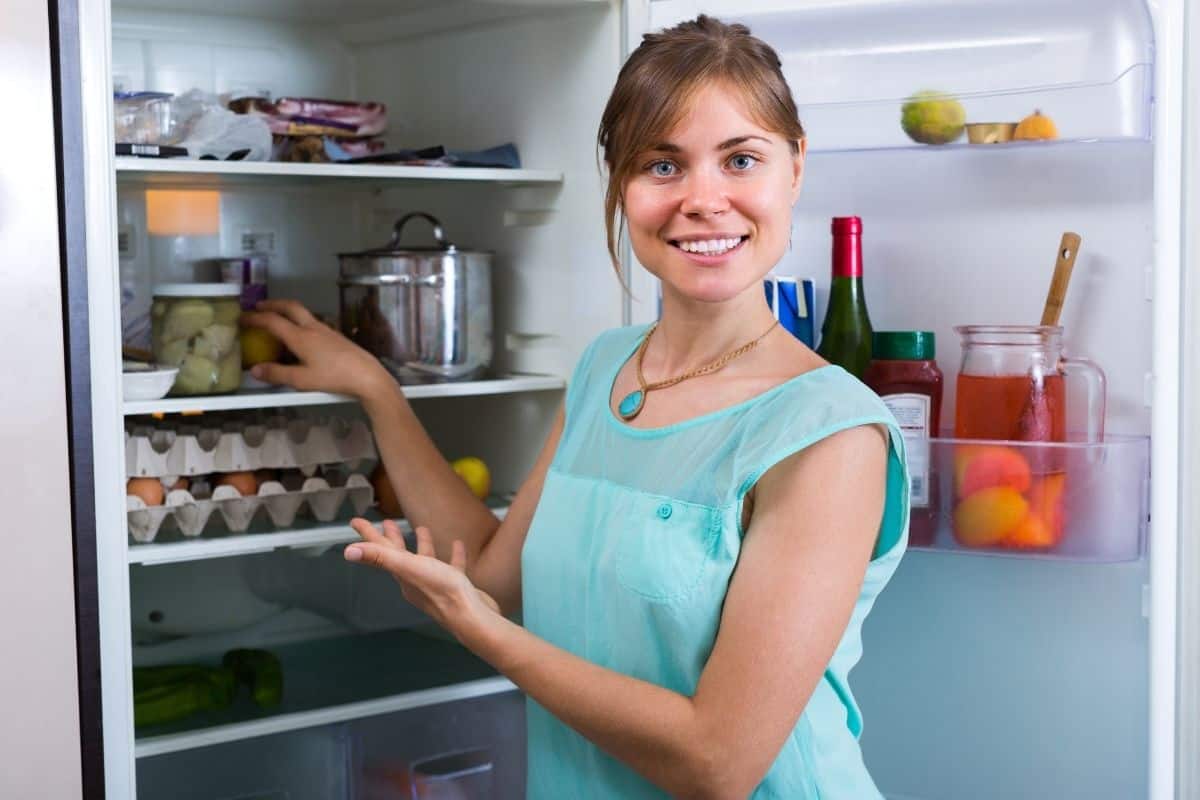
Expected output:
{"points": [[984, 676]]}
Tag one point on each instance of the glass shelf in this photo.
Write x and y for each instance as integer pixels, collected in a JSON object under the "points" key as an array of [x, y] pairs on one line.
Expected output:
{"points": [[334, 680], [1117, 110], [1075, 501]]}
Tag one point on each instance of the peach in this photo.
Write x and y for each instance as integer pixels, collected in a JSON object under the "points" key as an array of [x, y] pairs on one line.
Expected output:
{"points": [[1030, 533], [1045, 525], [978, 467], [989, 515]]}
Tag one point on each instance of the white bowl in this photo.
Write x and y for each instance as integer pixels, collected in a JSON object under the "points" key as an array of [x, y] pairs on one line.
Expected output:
{"points": [[148, 385]]}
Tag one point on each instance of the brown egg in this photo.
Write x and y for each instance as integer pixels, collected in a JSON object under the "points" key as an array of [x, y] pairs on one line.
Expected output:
{"points": [[264, 475], [149, 489], [182, 483], [385, 495], [244, 482]]}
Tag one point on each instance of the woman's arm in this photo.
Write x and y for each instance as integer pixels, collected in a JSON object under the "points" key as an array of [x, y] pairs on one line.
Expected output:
{"points": [[428, 489], [801, 568]]}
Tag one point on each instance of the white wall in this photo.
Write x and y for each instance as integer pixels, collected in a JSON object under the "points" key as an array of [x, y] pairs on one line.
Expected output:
{"points": [[39, 728]]}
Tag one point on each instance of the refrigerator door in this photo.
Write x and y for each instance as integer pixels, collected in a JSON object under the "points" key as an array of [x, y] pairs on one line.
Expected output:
{"points": [[40, 726], [987, 677]]}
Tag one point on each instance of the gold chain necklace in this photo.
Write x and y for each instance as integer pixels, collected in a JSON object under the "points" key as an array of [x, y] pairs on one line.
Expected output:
{"points": [[631, 405]]}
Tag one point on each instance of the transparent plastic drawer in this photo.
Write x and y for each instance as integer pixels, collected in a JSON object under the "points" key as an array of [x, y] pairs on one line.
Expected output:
{"points": [[1077, 501]]}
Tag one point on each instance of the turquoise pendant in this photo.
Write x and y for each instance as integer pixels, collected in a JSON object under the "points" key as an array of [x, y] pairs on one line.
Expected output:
{"points": [[632, 404]]}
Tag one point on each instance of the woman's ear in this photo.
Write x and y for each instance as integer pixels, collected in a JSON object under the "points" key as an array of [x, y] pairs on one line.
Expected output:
{"points": [[798, 168]]}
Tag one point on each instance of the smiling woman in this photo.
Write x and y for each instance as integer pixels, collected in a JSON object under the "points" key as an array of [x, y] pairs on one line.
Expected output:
{"points": [[716, 508]]}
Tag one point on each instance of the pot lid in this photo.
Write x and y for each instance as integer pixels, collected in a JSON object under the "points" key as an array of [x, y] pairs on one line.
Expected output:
{"points": [[394, 248]]}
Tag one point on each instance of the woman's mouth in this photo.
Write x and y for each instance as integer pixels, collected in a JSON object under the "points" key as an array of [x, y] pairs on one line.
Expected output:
{"points": [[709, 250]]}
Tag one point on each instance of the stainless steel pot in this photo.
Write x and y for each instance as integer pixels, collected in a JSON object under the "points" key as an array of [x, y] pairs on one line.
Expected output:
{"points": [[426, 312]]}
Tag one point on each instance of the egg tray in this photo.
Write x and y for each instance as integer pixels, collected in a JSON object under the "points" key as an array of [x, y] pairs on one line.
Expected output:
{"points": [[171, 451], [190, 513]]}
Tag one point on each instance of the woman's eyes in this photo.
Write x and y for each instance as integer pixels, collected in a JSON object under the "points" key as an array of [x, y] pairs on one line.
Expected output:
{"points": [[661, 169], [743, 161], [740, 162]]}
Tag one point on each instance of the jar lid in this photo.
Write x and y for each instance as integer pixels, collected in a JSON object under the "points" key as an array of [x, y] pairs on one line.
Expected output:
{"points": [[197, 290], [903, 345]]}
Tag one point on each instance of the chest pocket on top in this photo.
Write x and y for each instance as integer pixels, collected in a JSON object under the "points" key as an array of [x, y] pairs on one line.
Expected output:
{"points": [[665, 546]]}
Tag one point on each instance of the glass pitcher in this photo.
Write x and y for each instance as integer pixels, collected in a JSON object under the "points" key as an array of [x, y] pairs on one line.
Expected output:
{"points": [[1012, 386]]}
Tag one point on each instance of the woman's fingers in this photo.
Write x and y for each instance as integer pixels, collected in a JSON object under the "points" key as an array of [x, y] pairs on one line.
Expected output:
{"points": [[458, 556], [381, 556], [425, 542], [280, 375], [291, 309], [391, 532], [367, 531]]}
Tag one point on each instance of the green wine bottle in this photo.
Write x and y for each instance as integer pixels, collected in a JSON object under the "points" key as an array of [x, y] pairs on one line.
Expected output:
{"points": [[846, 332]]}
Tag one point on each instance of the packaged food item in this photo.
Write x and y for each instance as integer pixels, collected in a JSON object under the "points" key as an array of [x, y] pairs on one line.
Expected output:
{"points": [[194, 326], [791, 300], [249, 272], [304, 116], [905, 374]]}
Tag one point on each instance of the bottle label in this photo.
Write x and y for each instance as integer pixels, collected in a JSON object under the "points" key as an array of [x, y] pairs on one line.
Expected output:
{"points": [[912, 413]]}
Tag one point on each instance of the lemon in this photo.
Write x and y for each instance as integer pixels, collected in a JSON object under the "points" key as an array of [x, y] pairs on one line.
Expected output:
{"points": [[259, 347], [932, 118], [475, 473]]}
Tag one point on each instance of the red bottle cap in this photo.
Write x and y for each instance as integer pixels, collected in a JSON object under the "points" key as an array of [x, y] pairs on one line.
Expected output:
{"points": [[847, 247], [847, 225]]}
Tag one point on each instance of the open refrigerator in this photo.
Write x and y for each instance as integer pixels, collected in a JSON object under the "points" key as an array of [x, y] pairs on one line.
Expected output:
{"points": [[1048, 675]]}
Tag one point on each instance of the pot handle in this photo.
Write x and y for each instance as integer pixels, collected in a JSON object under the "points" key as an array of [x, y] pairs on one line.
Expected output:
{"points": [[438, 233]]}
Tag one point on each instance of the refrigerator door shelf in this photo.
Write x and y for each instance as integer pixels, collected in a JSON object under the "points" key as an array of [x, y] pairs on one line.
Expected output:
{"points": [[1078, 501]]}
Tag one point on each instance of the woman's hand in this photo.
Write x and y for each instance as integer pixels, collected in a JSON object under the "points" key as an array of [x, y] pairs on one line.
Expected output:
{"points": [[442, 590], [329, 362]]}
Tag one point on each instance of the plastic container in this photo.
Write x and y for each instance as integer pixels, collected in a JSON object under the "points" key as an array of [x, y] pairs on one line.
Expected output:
{"points": [[194, 326], [461, 775], [1076, 501]]}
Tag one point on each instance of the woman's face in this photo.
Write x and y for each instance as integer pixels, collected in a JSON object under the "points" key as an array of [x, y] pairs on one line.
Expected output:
{"points": [[709, 210]]}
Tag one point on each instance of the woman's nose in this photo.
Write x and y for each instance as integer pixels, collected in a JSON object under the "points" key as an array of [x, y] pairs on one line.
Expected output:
{"points": [[704, 195]]}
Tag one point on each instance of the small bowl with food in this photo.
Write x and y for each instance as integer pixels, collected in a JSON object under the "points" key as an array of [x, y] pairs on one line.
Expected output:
{"points": [[990, 132], [141, 381]]}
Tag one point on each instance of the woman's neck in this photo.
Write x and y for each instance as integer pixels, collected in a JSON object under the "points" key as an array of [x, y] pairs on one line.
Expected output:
{"points": [[691, 334]]}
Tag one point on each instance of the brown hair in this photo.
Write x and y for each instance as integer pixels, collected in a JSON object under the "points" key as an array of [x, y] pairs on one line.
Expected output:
{"points": [[658, 81]]}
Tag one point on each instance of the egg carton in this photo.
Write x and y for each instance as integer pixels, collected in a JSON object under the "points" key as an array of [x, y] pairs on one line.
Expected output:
{"points": [[189, 513], [241, 446]]}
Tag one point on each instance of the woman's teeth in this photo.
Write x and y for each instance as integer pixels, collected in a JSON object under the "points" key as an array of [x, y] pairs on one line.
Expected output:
{"points": [[710, 247]]}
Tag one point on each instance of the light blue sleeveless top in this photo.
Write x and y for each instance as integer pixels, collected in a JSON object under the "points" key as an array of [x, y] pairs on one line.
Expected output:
{"points": [[634, 542]]}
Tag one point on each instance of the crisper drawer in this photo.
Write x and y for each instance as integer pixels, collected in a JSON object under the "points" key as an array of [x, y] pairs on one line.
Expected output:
{"points": [[366, 759], [389, 751], [308, 764]]}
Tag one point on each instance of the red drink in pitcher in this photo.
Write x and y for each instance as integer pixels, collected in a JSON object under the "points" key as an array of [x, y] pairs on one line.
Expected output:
{"points": [[1015, 407]]}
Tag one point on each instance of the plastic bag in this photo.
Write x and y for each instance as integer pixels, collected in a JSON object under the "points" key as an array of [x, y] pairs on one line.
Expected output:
{"points": [[195, 120], [215, 131]]}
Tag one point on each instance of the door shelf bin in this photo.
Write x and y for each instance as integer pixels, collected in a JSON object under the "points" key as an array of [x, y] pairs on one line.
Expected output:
{"points": [[1074, 501], [1082, 112]]}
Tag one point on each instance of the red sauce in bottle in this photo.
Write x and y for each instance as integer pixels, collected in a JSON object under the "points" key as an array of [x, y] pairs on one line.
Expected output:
{"points": [[904, 373]]}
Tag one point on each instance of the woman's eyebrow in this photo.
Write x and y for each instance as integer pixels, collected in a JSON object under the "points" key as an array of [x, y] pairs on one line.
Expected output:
{"points": [[667, 147], [739, 140]]}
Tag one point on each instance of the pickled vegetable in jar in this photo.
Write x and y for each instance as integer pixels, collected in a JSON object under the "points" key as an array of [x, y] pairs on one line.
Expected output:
{"points": [[194, 326]]}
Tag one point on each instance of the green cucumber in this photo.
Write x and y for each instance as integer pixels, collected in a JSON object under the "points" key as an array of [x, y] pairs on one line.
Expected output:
{"points": [[261, 671]]}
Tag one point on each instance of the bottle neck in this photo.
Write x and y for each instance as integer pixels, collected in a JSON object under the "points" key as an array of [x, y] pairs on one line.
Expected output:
{"points": [[847, 255]]}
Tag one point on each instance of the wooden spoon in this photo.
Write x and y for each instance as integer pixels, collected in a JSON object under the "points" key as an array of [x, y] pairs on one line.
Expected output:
{"points": [[1036, 422], [1067, 250]]}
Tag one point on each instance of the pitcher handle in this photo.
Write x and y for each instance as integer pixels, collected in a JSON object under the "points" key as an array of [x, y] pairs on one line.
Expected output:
{"points": [[1096, 393]]}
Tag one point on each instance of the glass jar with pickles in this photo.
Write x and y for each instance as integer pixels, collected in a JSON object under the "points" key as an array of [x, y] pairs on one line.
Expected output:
{"points": [[194, 326]]}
